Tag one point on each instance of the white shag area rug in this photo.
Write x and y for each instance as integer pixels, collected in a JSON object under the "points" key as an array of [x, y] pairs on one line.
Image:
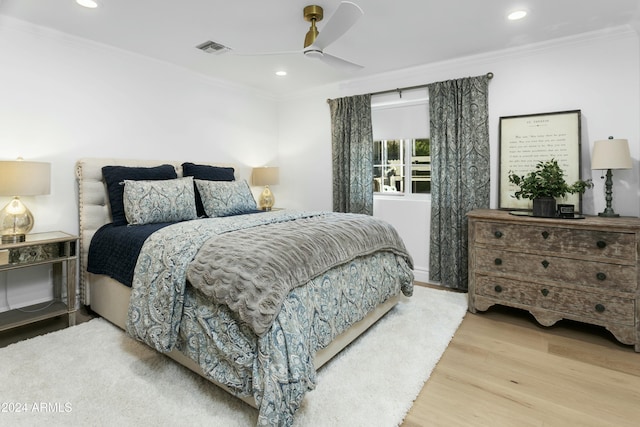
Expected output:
{"points": [[95, 375]]}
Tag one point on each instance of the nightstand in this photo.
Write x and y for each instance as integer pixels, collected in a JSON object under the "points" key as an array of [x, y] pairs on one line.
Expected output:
{"points": [[55, 248]]}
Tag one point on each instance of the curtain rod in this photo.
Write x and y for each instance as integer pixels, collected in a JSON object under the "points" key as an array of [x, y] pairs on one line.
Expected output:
{"points": [[399, 90]]}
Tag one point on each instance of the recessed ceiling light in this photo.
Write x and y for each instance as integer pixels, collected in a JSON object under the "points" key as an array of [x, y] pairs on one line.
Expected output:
{"points": [[281, 73], [517, 14], [91, 4]]}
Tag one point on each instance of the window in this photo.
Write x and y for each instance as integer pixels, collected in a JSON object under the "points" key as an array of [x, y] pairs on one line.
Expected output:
{"points": [[402, 155], [402, 166]]}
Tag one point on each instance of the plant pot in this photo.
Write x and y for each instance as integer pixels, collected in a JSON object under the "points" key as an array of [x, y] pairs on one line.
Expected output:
{"points": [[544, 207]]}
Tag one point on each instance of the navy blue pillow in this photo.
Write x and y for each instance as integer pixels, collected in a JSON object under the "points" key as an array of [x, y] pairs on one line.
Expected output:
{"points": [[206, 173], [114, 177]]}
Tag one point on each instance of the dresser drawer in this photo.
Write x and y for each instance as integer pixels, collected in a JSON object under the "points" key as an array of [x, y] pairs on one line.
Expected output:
{"points": [[597, 307], [555, 240], [534, 267]]}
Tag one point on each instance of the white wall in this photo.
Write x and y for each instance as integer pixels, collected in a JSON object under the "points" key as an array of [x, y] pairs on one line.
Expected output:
{"points": [[411, 216], [597, 73], [64, 98]]}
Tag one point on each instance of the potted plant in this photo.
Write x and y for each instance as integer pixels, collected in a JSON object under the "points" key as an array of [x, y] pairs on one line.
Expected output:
{"points": [[544, 185]]}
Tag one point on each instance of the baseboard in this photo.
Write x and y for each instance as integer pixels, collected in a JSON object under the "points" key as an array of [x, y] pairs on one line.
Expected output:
{"points": [[421, 275]]}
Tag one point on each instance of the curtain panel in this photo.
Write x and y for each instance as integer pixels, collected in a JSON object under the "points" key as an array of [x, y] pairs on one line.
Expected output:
{"points": [[352, 154], [459, 172]]}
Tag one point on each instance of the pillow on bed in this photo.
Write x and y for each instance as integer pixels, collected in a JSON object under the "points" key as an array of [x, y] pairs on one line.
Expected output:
{"points": [[151, 202], [114, 177], [207, 173], [225, 198]]}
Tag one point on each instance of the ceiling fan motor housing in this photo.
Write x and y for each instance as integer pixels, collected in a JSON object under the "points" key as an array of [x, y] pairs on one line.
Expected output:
{"points": [[313, 53]]}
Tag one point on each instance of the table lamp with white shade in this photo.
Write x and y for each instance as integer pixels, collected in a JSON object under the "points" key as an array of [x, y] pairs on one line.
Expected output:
{"points": [[266, 176], [21, 178], [610, 154]]}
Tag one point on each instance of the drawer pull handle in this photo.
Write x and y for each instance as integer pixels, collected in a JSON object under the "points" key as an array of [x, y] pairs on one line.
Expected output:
{"points": [[601, 276], [498, 234], [600, 308], [545, 292], [601, 244], [498, 288], [545, 263], [545, 235], [498, 261]]}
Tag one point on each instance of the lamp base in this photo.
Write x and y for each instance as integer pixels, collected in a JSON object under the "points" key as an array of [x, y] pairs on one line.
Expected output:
{"points": [[13, 238], [608, 190], [267, 200], [608, 214], [16, 221]]}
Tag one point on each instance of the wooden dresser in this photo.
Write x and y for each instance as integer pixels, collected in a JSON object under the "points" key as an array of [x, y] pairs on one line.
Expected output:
{"points": [[579, 269]]}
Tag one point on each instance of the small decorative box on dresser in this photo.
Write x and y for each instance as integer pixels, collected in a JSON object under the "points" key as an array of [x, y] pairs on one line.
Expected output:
{"points": [[579, 269]]}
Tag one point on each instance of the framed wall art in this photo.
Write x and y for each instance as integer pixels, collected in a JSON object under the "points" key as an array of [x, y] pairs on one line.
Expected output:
{"points": [[528, 139]]}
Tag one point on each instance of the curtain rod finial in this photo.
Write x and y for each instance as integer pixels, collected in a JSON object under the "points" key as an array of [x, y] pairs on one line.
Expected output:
{"points": [[489, 75]]}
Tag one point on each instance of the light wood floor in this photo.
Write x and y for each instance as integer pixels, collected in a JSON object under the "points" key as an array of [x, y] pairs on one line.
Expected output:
{"points": [[503, 369]]}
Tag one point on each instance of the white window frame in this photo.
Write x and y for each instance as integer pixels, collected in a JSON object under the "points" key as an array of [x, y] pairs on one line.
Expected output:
{"points": [[407, 168]]}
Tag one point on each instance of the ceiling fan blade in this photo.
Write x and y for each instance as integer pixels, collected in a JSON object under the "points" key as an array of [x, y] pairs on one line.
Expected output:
{"points": [[345, 16], [336, 62]]}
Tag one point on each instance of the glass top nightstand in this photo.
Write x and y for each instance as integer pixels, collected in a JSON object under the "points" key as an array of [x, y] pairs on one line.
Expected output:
{"points": [[57, 249]]}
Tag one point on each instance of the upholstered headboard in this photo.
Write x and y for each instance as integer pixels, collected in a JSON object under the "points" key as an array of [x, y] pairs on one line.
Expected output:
{"points": [[93, 203]]}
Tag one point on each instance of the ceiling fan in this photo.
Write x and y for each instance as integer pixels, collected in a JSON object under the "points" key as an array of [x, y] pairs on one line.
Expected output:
{"points": [[340, 22], [315, 42]]}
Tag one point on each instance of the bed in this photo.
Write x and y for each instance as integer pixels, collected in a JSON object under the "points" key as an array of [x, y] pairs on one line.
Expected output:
{"points": [[223, 290]]}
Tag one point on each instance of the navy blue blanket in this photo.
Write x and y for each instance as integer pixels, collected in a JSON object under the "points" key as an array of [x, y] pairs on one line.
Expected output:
{"points": [[114, 249]]}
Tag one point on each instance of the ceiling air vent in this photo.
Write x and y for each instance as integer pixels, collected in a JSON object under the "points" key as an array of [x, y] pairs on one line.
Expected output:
{"points": [[213, 47]]}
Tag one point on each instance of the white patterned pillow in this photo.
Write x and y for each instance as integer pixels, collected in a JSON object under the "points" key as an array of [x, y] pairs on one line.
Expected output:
{"points": [[170, 200], [225, 198]]}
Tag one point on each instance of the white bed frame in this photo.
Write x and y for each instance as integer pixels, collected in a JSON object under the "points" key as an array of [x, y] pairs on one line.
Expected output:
{"points": [[110, 299]]}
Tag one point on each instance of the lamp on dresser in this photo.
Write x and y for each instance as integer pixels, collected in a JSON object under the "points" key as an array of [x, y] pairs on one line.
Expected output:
{"points": [[21, 178], [266, 176], [610, 154]]}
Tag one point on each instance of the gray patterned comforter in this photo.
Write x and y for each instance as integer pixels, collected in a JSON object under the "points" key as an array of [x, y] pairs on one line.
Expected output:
{"points": [[253, 269], [167, 314]]}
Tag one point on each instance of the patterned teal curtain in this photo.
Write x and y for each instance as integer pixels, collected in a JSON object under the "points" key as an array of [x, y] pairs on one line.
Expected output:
{"points": [[459, 172], [352, 144]]}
